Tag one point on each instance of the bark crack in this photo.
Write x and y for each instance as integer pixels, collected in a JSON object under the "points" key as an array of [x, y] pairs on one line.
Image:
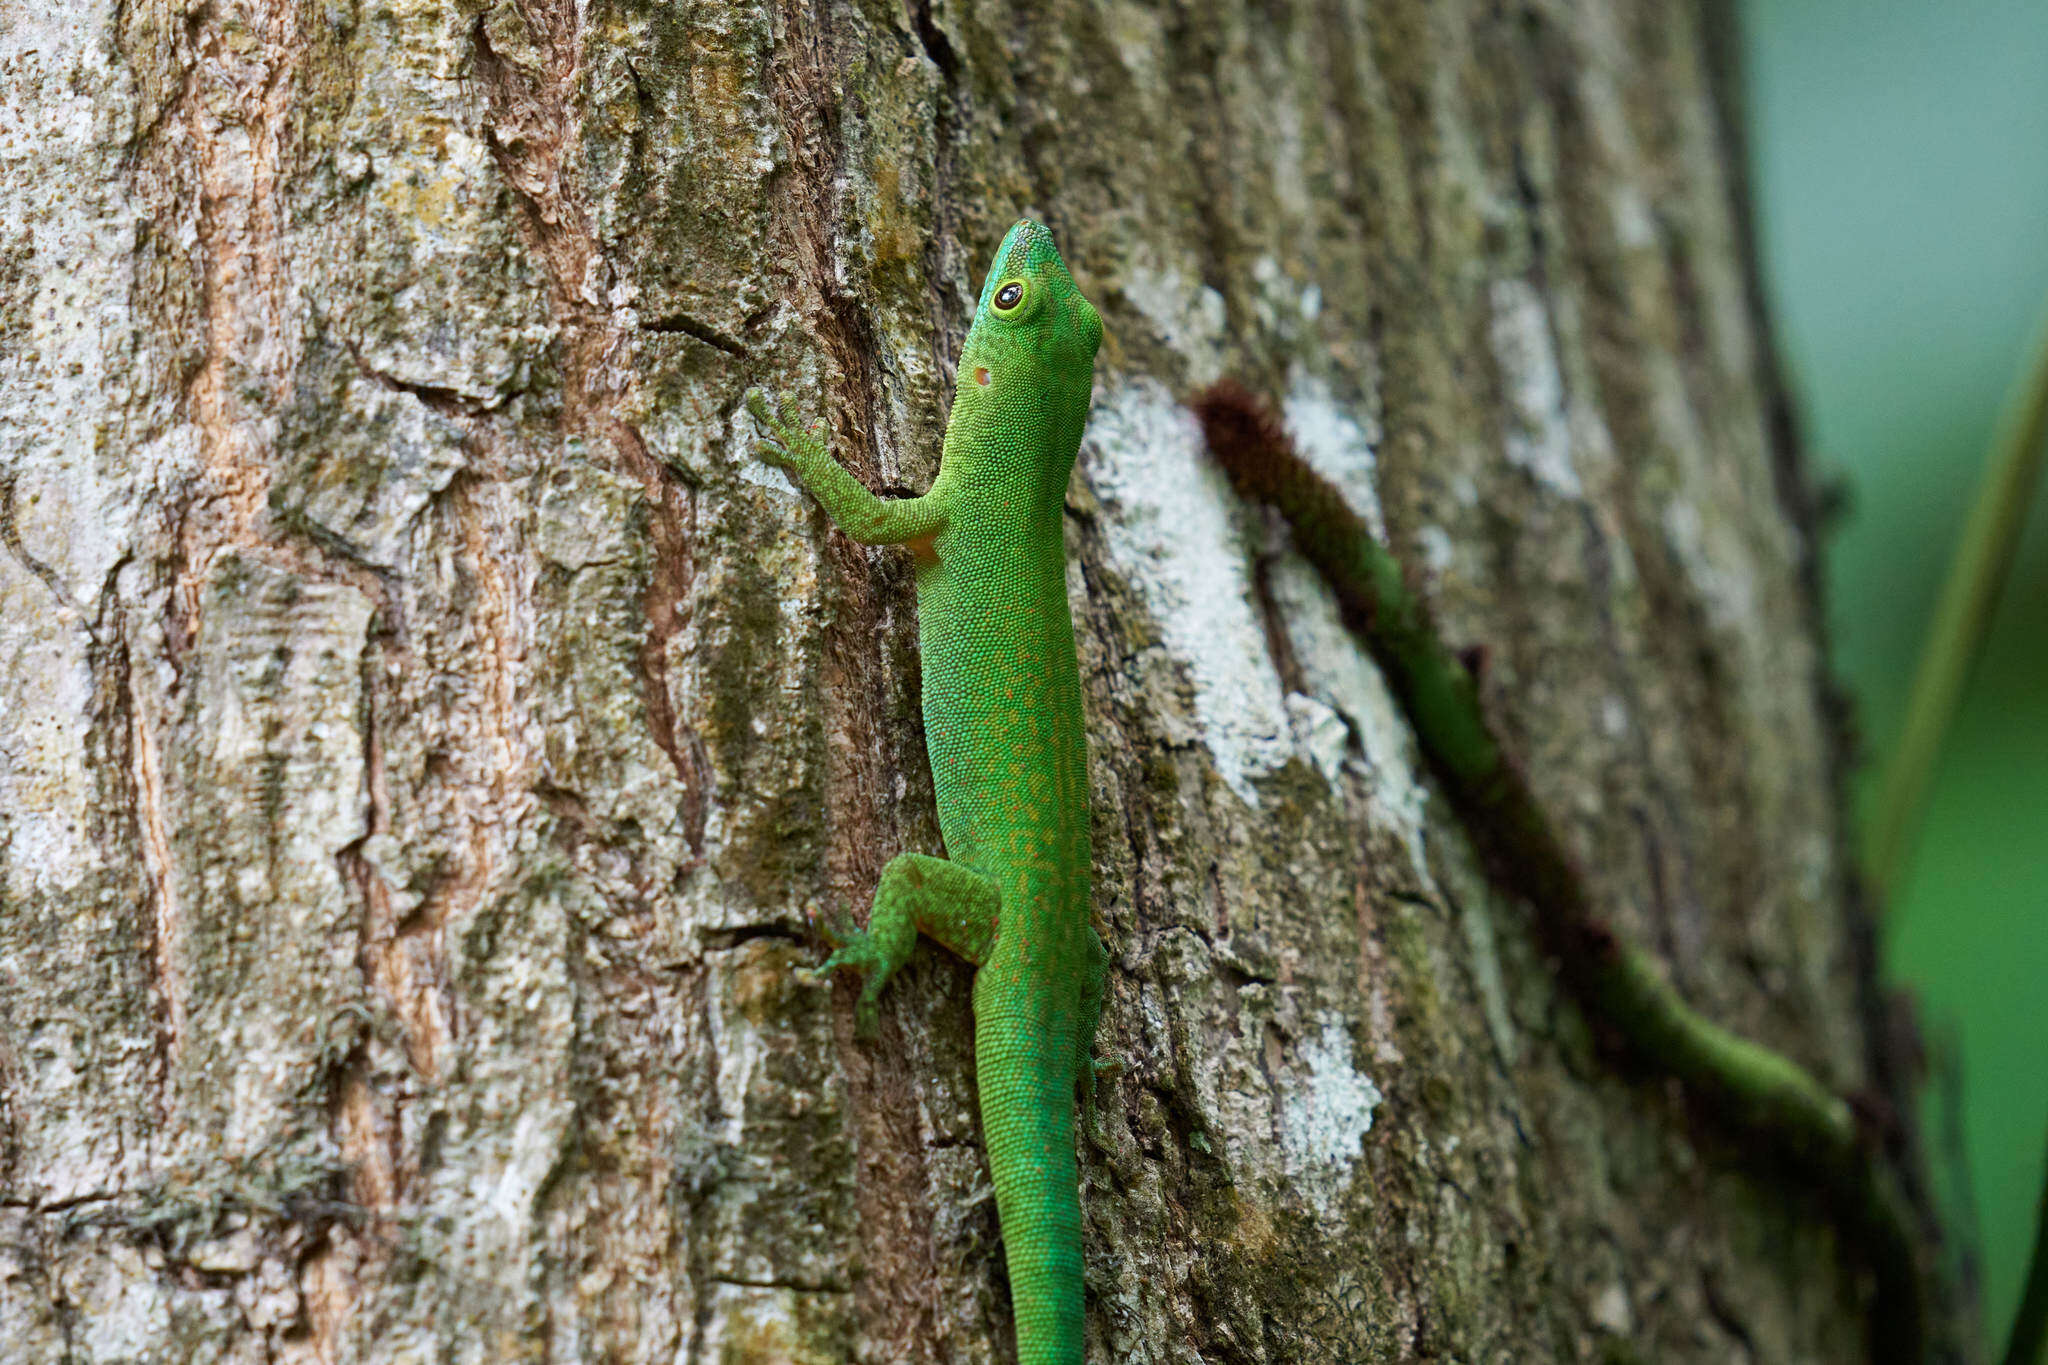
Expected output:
{"points": [[10, 536], [685, 325], [442, 398], [528, 125], [154, 828]]}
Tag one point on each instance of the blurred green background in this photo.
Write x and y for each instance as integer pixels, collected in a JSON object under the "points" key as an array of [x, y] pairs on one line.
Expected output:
{"points": [[1900, 164]]}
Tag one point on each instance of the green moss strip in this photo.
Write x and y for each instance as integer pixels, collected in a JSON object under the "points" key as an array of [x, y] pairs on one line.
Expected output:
{"points": [[2028, 1344], [1766, 1101]]}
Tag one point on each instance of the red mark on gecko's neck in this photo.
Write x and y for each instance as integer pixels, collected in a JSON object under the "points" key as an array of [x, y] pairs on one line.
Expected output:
{"points": [[981, 375]]}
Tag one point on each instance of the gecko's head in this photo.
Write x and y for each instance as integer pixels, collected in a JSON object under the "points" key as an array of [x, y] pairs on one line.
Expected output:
{"points": [[1034, 336]]}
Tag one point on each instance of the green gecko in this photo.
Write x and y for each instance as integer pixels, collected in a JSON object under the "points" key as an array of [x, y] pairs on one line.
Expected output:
{"points": [[1009, 754]]}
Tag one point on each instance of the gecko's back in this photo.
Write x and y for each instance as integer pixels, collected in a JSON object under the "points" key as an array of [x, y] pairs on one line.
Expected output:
{"points": [[1002, 697]]}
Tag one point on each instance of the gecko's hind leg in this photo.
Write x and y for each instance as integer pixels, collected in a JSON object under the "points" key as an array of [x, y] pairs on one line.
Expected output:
{"points": [[954, 904]]}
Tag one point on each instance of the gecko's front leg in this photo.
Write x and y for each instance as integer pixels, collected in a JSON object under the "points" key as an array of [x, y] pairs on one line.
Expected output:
{"points": [[947, 901], [853, 509]]}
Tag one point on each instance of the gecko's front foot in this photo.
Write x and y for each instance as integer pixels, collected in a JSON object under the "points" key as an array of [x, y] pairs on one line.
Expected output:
{"points": [[784, 446]]}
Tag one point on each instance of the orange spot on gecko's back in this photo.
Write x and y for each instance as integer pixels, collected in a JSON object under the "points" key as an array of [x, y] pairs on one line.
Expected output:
{"points": [[981, 375]]}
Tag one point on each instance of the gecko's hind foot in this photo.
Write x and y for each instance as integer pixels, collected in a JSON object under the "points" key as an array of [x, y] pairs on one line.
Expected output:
{"points": [[838, 931], [864, 951]]}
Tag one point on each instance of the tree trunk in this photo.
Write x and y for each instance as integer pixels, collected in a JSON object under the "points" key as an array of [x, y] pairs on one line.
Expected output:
{"points": [[428, 733]]}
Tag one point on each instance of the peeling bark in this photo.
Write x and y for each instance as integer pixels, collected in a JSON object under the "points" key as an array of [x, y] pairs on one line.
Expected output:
{"points": [[427, 733]]}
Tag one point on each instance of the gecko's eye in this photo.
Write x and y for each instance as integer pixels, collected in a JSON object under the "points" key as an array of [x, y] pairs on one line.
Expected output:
{"points": [[1009, 296]]}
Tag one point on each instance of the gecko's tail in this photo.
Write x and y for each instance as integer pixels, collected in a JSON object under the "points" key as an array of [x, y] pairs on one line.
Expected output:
{"points": [[1027, 1119]]}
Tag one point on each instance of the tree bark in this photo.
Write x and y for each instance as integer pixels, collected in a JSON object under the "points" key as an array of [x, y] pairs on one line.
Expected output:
{"points": [[427, 732]]}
